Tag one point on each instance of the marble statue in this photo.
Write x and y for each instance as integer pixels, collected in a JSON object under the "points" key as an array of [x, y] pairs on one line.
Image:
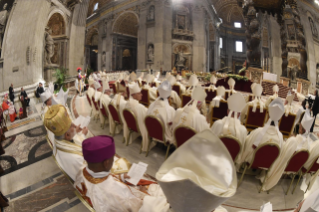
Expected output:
{"points": [[180, 61], [293, 73], [313, 27], [49, 46], [3, 21], [150, 53]]}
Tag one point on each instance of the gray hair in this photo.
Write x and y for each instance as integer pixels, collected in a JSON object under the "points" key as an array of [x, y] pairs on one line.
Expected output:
{"points": [[60, 138]]}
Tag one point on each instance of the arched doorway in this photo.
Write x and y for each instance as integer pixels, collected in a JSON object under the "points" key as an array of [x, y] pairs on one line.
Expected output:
{"points": [[92, 42], [125, 31]]}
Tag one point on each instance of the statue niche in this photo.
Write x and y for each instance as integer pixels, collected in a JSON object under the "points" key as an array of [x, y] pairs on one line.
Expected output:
{"points": [[48, 46], [3, 21], [182, 57], [150, 53], [151, 14]]}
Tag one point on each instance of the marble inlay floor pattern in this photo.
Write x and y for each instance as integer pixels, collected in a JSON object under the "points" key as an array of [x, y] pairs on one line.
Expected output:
{"points": [[59, 190], [25, 149]]}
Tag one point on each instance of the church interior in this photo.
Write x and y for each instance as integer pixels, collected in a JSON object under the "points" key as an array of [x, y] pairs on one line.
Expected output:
{"points": [[159, 105]]}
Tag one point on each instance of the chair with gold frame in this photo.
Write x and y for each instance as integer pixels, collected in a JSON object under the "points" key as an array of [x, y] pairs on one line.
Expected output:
{"points": [[228, 94], [177, 89], [186, 99], [232, 144], [264, 156], [104, 113], [286, 124], [156, 132], [182, 134], [131, 122], [311, 170], [116, 117], [296, 162], [97, 108], [210, 95], [218, 112], [145, 97], [255, 119]]}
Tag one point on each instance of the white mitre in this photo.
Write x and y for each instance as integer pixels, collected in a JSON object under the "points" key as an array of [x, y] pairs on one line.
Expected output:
{"points": [[193, 80], [220, 95], [275, 109], [257, 91], [133, 76], [290, 97], [236, 103], [275, 89], [141, 76], [171, 79], [213, 80], [46, 95], [91, 82], [231, 83], [167, 74], [149, 78], [206, 181], [106, 85], [134, 88], [165, 89], [179, 77], [198, 95], [221, 91]]}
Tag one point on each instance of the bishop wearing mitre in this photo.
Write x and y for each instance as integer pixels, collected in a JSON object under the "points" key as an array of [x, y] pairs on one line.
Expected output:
{"points": [[220, 93], [268, 134], [292, 146], [213, 81], [108, 192], [275, 90], [190, 115], [139, 111], [119, 103], [152, 91], [231, 84], [67, 153], [256, 103], [202, 172], [180, 84], [174, 97], [162, 110], [230, 125], [289, 107]]}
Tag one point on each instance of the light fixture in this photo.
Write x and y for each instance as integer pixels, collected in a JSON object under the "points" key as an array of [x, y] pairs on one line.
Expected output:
{"points": [[317, 2]]}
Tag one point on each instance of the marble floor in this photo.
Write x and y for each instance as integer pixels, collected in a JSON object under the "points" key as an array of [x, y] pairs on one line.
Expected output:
{"points": [[40, 185]]}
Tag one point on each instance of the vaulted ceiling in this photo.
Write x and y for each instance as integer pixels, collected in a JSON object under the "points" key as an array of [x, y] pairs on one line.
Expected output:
{"points": [[228, 11]]}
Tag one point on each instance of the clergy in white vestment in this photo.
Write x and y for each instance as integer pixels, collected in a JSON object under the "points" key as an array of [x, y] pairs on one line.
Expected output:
{"points": [[119, 103], [310, 203], [67, 153], [96, 76], [269, 134], [105, 101], [201, 171], [174, 97], [193, 83], [46, 98], [97, 96], [107, 192], [292, 145], [231, 84], [213, 81], [257, 91], [230, 125], [190, 115], [162, 110], [139, 111], [140, 79], [220, 93], [152, 91], [289, 107], [180, 84], [133, 77], [275, 90]]}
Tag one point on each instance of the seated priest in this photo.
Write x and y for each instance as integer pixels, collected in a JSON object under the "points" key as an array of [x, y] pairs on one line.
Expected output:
{"points": [[140, 79], [268, 134], [231, 125], [139, 111], [119, 103], [46, 98], [231, 84], [213, 81], [8, 108], [293, 144], [176, 101], [96, 76], [152, 91], [220, 93], [67, 153], [133, 77], [275, 90], [190, 115], [199, 176], [162, 110], [288, 104], [180, 84], [107, 192], [257, 91], [97, 96], [39, 90], [25, 97], [105, 100]]}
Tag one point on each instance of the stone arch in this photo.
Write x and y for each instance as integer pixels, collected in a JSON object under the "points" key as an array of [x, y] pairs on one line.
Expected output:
{"points": [[126, 24], [57, 24], [91, 36]]}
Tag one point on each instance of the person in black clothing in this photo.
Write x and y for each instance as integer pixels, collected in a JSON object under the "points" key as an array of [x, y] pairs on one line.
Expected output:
{"points": [[39, 91], [25, 97], [315, 109], [11, 93]]}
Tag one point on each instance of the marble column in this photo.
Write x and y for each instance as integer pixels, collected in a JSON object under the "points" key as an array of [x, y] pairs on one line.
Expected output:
{"points": [[142, 38], [275, 47], [199, 44], [109, 45]]}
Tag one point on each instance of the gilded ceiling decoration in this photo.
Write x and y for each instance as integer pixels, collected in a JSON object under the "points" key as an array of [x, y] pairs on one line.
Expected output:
{"points": [[126, 24], [56, 23], [228, 11]]}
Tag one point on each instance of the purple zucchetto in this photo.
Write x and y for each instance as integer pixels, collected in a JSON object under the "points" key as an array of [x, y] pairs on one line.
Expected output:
{"points": [[98, 149]]}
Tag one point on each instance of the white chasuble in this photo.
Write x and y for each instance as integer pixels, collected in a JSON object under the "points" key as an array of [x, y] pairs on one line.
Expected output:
{"points": [[255, 103], [152, 92], [176, 100], [235, 129], [270, 136], [277, 169], [182, 87], [139, 111], [119, 103], [314, 153], [104, 101], [166, 113], [69, 157]]}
